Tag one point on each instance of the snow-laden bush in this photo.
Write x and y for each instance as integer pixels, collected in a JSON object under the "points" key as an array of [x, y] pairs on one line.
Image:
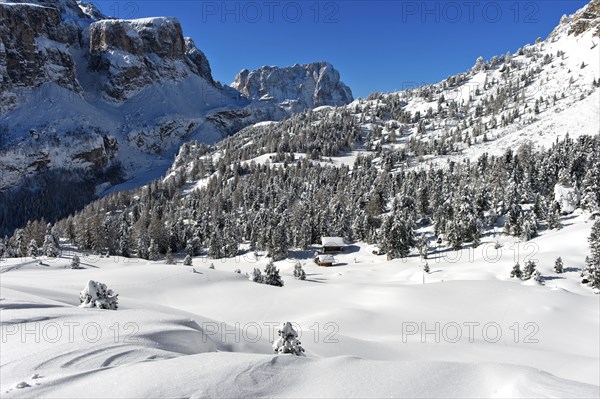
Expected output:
{"points": [[537, 276], [272, 276], [97, 295], [299, 272], [256, 276], [288, 341], [516, 271], [187, 261]]}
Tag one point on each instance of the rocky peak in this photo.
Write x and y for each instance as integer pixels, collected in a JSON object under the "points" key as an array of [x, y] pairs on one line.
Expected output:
{"points": [[197, 60], [135, 53], [307, 86], [584, 20]]}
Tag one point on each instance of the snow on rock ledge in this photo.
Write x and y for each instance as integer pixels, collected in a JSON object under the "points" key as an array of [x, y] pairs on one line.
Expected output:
{"points": [[567, 196]]}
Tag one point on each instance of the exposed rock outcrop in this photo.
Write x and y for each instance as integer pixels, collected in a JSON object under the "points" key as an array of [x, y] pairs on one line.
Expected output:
{"points": [[301, 86], [34, 49]]}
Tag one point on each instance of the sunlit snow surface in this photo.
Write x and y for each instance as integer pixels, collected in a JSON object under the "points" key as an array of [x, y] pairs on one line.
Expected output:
{"points": [[180, 333]]}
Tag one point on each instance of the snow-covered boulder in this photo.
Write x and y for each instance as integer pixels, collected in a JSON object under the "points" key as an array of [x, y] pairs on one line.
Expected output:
{"points": [[568, 196]]}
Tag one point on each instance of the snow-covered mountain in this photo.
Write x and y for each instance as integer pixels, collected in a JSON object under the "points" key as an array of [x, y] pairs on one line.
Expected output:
{"points": [[112, 100], [541, 93], [472, 265], [300, 86]]}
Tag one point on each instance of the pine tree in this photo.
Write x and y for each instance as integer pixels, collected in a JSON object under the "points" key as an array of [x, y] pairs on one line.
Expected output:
{"points": [[153, 251], [187, 261], [142, 248], [32, 249], [272, 276], [278, 246], [558, 265], [288, 341], [257, 276], [75, 262], [215, 246], [516, 271], [169, 257], [529, 228], [592, 271], [299, 272], [49, 248], [528, 270], [554, 217]]}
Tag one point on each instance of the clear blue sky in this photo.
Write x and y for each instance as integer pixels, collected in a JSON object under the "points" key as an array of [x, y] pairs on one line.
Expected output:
{"points": [[376, 45]]}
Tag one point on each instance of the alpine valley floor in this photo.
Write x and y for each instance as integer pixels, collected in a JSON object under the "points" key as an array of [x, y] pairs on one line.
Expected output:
{"points": [[368, 326]]}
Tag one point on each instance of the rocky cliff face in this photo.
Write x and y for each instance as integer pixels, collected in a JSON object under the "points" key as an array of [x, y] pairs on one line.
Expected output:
{"points": [[34, 49], [302, 86], [133, 54], [83, 92]]}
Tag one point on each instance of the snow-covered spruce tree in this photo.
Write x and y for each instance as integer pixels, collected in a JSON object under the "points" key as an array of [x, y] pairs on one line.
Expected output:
{"points": [[539, 207], [513, 224], [142, 248], [272, 276], [32, 249], [528, 270], [97, 295], [169, 257], [530, 228], [591, 188], [592, 270], [75, 262], [426, 268], [516, 271], [558, 265], [49, 248], [299, 272], [188, 260], [288, 342], [215, 246], [554, 217], [153, 250], [278, 246], [257, 276]]}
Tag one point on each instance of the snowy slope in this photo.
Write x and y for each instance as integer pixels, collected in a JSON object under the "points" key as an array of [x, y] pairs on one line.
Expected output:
{"points": [[176, 344]]}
